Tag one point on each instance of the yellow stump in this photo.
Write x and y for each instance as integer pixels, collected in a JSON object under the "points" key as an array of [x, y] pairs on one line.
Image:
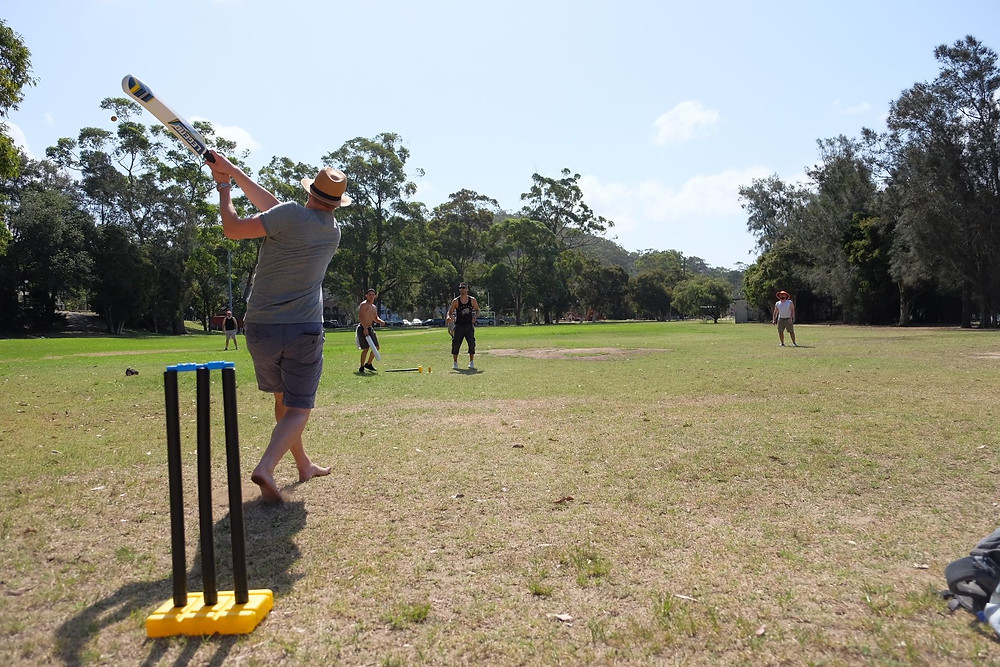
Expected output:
{"points": [[196, 619], [420, 369]]}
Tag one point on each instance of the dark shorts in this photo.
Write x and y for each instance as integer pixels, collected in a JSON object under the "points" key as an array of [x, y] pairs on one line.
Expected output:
{"points": [[465, 332], [359, 334], [288, 359]]}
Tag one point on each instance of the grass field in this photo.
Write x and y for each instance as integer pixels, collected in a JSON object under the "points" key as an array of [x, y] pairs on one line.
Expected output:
{"points": [[614, 493]]}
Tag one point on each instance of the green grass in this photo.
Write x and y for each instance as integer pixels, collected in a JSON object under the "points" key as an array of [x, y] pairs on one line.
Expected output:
{"points": [[625, 493]]}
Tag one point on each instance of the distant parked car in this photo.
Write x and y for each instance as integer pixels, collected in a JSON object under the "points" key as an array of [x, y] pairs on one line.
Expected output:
{"points": [[330, 324], [415, 322], [434, 322]]}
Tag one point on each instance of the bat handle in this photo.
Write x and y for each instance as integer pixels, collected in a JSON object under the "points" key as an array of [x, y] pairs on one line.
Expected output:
{"points": [[208, 157]]}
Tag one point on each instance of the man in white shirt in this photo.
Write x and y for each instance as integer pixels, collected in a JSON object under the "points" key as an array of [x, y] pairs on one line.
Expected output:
{"points": [[784, 317]]}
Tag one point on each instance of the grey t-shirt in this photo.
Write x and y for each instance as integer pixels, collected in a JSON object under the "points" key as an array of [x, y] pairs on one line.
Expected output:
{"points": [[288, 281]]}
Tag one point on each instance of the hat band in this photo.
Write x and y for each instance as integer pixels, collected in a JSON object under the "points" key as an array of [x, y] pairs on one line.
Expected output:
{"points": [[322, 195]]}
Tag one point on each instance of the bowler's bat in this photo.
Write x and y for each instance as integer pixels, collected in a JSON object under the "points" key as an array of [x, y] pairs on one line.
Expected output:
{"points": [[371, 346], [179, 127]]}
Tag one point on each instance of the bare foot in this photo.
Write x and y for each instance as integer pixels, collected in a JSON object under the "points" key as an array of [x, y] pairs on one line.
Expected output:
{"points": [[313, 471], [269, 491]]}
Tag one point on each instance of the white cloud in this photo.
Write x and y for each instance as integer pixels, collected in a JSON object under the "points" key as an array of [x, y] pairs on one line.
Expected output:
{"points": [[702, 217], [243, 139], [700, 197], [854, 110], [17, 136], [425, 190], [684, 122]]}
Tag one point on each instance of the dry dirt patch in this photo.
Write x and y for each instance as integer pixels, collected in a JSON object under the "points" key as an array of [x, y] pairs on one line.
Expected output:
{"points": [[581, 353], [114, 353]]}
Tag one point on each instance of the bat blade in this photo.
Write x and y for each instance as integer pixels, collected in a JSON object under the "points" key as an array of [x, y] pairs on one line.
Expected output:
{"points": [[371, 346], [177, 125]]}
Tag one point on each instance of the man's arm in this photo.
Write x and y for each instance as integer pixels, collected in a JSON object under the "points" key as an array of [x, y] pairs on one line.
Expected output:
{"points": [[258, 196], [475, 309], [451, 308], [234, 227], [774, 314], [793, 311]]}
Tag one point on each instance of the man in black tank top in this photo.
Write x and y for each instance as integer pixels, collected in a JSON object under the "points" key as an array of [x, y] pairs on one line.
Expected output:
{"points": [[463, 312]]}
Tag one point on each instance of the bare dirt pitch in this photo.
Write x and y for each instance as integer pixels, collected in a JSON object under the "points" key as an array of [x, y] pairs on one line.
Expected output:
{"points": [[580, 353]]}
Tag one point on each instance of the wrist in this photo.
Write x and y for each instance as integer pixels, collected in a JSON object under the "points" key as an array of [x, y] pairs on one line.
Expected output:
{"points": [[222, 186]]}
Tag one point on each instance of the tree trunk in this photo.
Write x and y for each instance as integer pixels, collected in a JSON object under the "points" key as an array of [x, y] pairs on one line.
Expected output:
{"points": [[905, 305]]}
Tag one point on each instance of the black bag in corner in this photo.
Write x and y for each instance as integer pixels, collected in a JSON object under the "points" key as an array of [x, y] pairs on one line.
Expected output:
{"points": [[972, 580]]}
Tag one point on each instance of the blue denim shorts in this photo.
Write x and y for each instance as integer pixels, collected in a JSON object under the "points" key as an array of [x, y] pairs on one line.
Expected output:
{"points": [[288, 359]]}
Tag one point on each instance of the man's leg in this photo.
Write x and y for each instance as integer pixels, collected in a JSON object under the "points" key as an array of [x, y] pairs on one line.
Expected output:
{"points": [[286, 436], [307, 469]]}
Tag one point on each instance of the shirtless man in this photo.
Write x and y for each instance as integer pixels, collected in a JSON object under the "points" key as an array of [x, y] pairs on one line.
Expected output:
{"points": [[367, 316]]}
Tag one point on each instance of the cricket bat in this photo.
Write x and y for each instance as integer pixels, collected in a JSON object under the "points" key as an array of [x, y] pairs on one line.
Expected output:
{"points": [[371, 346], [179, 127]]}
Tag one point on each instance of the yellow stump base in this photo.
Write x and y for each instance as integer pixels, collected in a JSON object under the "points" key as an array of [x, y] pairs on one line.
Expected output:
{"points": [[197, 619]]}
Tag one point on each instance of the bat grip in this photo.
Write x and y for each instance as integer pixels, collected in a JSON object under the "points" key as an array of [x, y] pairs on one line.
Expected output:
{"points": [[208, 157]]}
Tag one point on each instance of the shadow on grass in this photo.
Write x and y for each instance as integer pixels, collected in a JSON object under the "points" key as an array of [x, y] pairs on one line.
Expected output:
{"points": [[271, 552]]}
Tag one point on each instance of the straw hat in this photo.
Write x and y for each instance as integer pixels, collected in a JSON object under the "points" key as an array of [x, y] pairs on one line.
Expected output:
{"points": [[328, 187]]}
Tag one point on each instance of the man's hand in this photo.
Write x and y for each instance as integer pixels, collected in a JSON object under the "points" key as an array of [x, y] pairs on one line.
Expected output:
{"points": [[220, 170], [223, 166]]}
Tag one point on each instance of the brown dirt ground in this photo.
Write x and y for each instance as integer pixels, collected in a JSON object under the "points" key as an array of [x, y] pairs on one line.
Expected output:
{"points": [[582, 353]]}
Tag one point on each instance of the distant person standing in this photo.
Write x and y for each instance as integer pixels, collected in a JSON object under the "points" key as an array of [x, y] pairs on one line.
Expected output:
{"points": [[463, 311], [367, 317], [231, 326], [784, 317]]}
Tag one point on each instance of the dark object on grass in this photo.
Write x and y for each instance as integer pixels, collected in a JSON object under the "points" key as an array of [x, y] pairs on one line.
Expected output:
{"points": [[130, 371], [972, 580]]}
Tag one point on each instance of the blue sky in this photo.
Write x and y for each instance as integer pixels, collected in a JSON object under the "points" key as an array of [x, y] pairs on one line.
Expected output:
{"points": [[665, 108]]}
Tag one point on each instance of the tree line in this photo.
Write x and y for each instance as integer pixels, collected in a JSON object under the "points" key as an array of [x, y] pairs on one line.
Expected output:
{"points": [[123, 221], [897, 226], [894, 227]]}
